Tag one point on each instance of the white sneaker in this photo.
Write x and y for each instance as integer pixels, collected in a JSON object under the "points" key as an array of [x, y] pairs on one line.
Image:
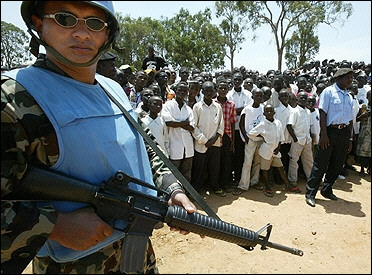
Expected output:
{"points": [[341, 177]]}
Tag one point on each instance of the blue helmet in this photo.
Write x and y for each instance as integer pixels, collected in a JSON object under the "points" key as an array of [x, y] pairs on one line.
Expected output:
{"points": [[29, 8]]}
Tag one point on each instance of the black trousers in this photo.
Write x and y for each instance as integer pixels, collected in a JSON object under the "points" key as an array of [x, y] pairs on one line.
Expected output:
{"points": [[328, 161], [284, 150], [226, 159], [238, 156], [206, 169]]}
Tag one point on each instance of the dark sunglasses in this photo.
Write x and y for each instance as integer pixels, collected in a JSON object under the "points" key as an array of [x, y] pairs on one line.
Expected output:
{"points": [[67, 20]]}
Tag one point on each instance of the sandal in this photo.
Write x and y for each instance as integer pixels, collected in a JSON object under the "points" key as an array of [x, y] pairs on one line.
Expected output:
{"points": [[294, 189], [237, 191], [257, 187], [268, 193], [220, 193]]}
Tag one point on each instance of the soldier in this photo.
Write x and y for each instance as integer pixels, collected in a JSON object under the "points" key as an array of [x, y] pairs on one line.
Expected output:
{"points": [[57, 114]]}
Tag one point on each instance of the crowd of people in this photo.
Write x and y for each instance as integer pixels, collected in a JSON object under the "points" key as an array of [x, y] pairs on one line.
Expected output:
{"points": [[225, 132], [224, 150]]}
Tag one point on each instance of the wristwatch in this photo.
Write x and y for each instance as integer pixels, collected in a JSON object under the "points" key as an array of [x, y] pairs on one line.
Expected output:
{"points": [[173, 187]]}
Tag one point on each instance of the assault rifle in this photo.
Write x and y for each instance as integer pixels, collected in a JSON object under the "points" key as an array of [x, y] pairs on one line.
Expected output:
{"points": [[114, 200]]}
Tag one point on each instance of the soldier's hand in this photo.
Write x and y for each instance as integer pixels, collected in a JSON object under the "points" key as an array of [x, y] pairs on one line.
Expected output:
{"points": [[80, 229]]}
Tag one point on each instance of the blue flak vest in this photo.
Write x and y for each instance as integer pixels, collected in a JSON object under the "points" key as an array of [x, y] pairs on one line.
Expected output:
{"points": [[95, 139]]}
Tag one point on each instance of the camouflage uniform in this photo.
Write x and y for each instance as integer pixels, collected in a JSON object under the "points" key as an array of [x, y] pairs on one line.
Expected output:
{"points": [[27, 136]]}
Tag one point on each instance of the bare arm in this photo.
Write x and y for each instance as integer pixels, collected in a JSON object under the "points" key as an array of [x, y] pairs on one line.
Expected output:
{"points": [[242, 128], [183, 124], [291, 132], [323, 139]]}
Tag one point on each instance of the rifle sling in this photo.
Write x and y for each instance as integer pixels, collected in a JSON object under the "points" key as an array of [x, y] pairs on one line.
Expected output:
{"points": [[166, 160]]}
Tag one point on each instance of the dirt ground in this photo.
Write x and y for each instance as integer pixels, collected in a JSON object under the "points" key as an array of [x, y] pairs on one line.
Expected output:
{"points": [[335, 236]]}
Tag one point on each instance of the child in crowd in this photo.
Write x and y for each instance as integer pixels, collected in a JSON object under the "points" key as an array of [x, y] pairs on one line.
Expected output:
{"points": [[282, 114], [267, 93], [140, 83], [230, 118], [299, 128], [250, 117], [292, 101], [241, 97], [319, 89], [363, 150], [143, 107], [278, 85], [208, 132], [248, 84], [314, 121], [156, 89], [353, 90], [270, 130], [194, 93], [156, 123]]}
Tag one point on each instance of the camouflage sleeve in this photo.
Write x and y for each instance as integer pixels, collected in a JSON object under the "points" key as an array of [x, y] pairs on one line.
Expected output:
{"points": [[24, 230], [163, 176], [24, 133]]}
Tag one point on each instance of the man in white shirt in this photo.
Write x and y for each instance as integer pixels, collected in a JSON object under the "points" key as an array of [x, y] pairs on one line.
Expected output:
{"points": [[208, 132], [179, 118], [250, 117], [299, 128]]}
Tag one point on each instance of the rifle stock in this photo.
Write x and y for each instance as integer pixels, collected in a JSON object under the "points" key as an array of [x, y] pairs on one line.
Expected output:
{"points": [[114, 200]]}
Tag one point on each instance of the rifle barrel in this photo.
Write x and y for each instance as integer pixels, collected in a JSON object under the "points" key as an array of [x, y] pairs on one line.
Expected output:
{"points": [[208, 226]]}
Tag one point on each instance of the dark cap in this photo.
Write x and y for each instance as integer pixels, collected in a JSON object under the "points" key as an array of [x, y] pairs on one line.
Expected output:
{"points": [[342, 72], [108, 56]]}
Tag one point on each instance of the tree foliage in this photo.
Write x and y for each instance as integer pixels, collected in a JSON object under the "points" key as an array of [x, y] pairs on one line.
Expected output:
{"points": [[184, 40], [233, 25], [134, 37], [193, 41], [302, 46], [14, 46]]}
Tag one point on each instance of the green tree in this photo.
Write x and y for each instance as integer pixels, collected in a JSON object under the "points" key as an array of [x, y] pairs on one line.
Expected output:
{"points": [[135, 35], [233, 26], [302, 46], [14, 46], [193, 41], [285, 17]]}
